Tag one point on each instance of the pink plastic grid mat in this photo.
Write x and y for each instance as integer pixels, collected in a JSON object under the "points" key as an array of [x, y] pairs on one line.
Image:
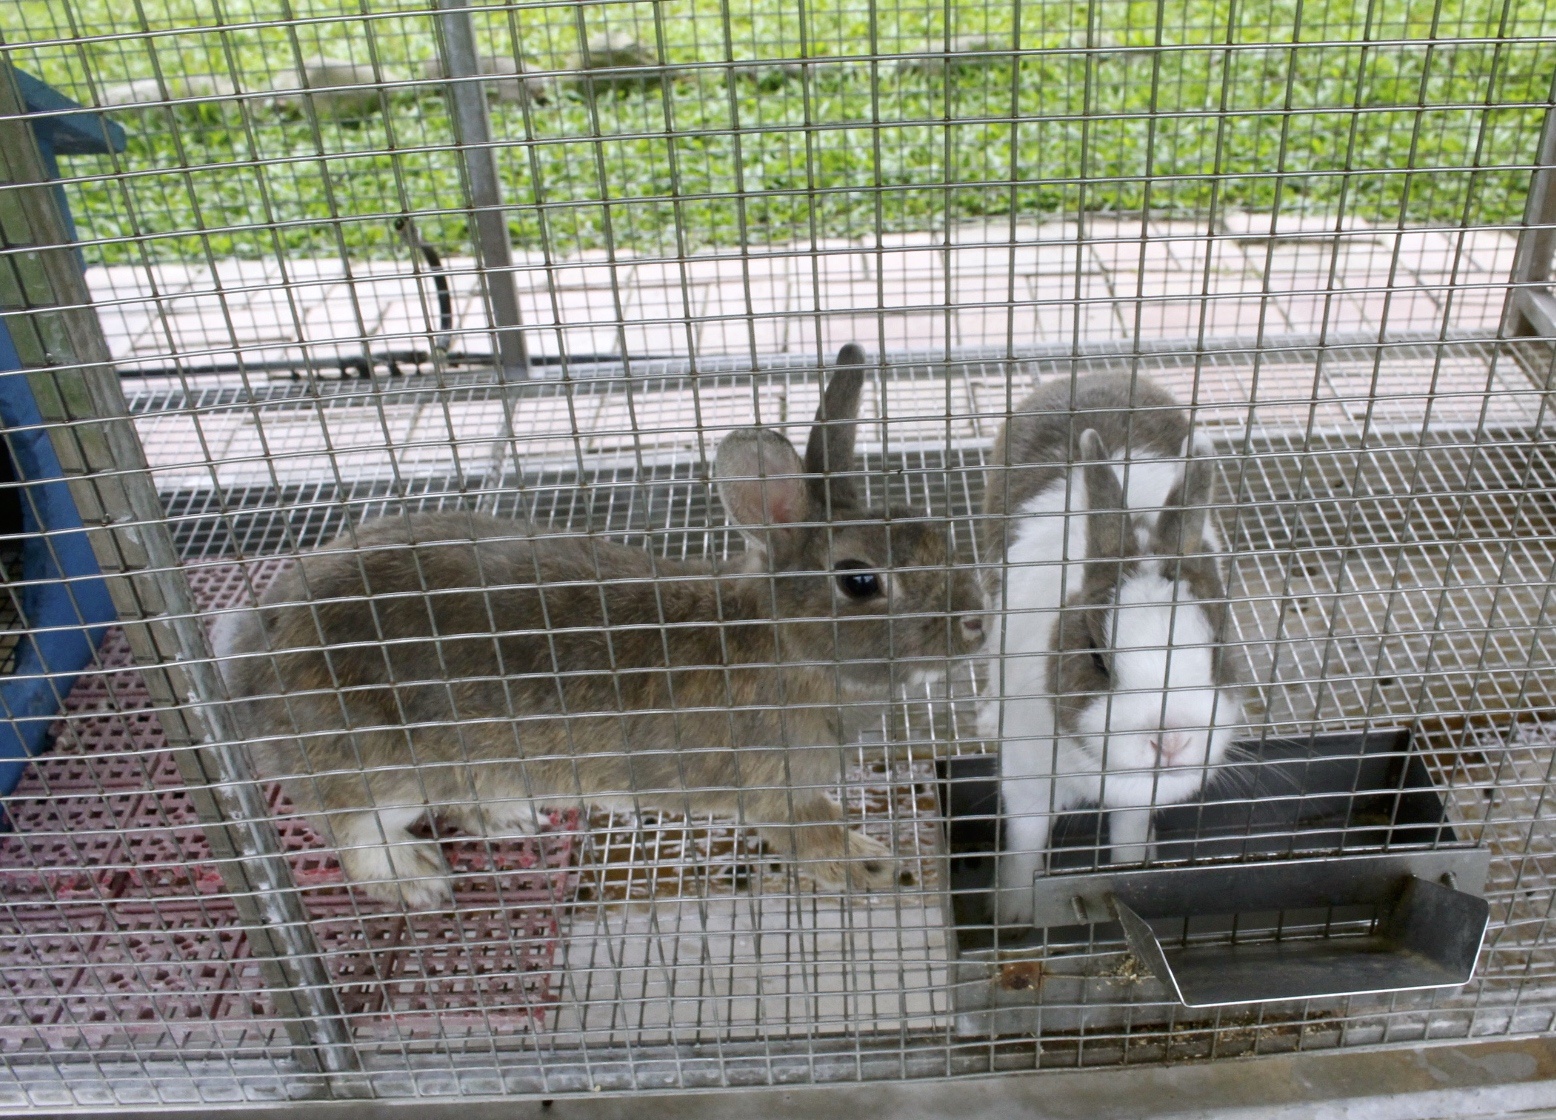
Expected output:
{"points": [[115, 932]]}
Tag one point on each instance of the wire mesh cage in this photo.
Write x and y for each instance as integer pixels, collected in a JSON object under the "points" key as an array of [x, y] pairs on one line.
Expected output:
{"points": [[660, 546]]}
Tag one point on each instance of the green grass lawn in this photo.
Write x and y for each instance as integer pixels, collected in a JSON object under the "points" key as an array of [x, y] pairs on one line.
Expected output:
{"points": [[1394, 110]]}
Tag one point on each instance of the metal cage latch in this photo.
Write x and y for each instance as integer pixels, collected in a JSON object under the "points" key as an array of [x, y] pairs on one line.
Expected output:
{"points": [[1375, 923]]}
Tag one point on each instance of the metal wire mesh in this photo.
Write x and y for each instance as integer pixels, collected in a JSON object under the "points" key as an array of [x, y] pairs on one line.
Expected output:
{"points": [[651, 226]]}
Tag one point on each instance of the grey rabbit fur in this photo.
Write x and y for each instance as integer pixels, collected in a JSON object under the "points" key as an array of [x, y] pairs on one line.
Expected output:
{"points": [[482, 671]]}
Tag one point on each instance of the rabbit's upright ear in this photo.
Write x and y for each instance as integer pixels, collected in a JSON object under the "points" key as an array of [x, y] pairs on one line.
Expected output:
{"points": [[761, 482], [1180, 529], [1107, 519], [830, 451]]}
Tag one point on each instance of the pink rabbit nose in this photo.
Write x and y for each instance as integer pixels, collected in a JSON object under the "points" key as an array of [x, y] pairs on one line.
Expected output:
{"points": [[1171, 746], [972, 627]]}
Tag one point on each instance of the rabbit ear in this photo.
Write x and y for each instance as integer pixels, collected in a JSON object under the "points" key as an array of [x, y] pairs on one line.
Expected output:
{"points": [[1106, 528], [831, 445], [1180, 529], [761, 480]]}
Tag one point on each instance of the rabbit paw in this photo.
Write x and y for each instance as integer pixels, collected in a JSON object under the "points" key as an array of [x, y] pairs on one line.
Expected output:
{"points": [[410, 874], [499, 820], [869, 866]]}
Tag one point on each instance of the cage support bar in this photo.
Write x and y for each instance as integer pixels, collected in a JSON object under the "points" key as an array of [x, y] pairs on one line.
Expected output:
{"points": [[58, 335], [1530, 307], [1471, 1080], [1538, 309], [473, 132]]}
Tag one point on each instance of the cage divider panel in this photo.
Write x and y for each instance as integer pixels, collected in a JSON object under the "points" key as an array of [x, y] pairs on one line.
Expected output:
{"points": [[100, 452]]}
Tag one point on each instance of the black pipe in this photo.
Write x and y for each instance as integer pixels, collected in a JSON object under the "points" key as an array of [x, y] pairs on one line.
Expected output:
{"points": [[407, 230]]}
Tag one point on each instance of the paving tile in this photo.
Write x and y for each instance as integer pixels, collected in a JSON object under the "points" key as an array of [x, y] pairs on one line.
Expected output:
{"points": [[1258, 225], [761, 294], [1050, 288], [1132, 254], [574, 342], [925, 292], [1491, 249], [653, 340], [982, 326], [1241, 316], [1475, 309], [1083, 322], [666, 303]]}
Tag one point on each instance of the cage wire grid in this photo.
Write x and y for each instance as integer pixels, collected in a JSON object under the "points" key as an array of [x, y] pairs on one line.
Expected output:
{"points": [[1325, 229]]}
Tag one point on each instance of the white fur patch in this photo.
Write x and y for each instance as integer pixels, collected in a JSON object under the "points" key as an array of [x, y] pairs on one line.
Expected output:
{"points": [[1163, 690], [1150, 480], [1154, 615], [378, 852], [225, 631], [1044, 563]]}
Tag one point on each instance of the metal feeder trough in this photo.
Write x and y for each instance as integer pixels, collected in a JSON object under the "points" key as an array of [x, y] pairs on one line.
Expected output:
{"points": [[1427, 933], [1309, 870]]}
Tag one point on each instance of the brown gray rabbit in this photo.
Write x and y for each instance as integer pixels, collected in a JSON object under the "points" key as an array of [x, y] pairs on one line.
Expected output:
{"points": [[482, 671]]}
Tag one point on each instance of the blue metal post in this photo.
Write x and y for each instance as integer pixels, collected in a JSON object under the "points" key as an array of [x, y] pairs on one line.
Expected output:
{"points": [[63, 600]]}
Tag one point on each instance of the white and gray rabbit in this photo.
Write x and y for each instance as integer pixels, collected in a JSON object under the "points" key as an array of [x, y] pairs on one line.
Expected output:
{"points": [[481, 671], [1108, 684]]}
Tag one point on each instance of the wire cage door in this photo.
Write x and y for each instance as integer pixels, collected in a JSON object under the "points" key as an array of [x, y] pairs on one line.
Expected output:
{"points": [[493, 420]]}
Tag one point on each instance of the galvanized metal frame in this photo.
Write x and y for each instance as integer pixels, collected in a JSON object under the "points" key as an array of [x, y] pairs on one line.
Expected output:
{"points": [[1491, 1079], [474, 132], [77, 387]]}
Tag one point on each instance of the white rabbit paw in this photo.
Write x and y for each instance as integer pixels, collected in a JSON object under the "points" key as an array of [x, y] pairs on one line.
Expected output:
{"points": [[412, 874], [868, 866]]}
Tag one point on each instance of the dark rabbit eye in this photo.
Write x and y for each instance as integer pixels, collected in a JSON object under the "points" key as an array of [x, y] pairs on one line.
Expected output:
{"points": [[856, 580], [1098, 660]]}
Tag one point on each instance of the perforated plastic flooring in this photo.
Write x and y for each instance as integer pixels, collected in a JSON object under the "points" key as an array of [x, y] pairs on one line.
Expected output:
{"points": [[115, 932]]}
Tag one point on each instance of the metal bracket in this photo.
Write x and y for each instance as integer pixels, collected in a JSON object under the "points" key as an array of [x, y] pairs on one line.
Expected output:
{"points": [[1537, 308], [1427, 923]]}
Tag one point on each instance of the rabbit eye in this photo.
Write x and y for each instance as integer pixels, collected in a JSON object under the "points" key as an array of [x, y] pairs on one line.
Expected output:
{"points": [[1099, 661], [856, 580]]}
